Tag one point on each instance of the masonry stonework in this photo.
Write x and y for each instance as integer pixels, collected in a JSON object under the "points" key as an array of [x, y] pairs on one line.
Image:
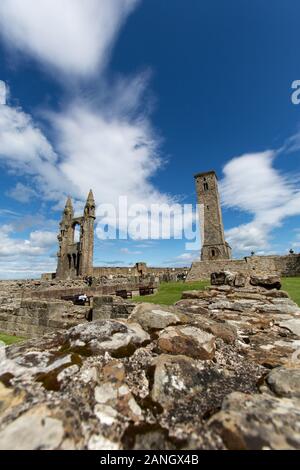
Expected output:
{"points": [[216, 253], [262, 265], [214, 246], [75, 259]]}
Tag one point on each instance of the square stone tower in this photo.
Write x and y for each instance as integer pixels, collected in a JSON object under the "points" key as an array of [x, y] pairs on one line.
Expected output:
{"points": [[214, 246]]}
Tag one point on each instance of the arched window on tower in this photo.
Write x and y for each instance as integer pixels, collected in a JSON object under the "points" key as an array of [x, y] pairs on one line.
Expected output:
{"points": [[76, 233], [205, 185]]}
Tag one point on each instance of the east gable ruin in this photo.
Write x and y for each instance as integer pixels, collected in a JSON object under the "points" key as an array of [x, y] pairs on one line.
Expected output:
{"points": [[75, 259]]}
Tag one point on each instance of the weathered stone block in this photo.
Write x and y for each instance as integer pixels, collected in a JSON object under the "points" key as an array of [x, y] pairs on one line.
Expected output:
{"points": [[240, 280], [268, 282], [218, 279], [100, 300], [102, 313]]}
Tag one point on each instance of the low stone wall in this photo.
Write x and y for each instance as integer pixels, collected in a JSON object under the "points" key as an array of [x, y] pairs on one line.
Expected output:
{"points": [[263, 265], [125, 274], [44, 312], [89, 291], [108, 307], [108, 271], [35, 318], [221, 372]]}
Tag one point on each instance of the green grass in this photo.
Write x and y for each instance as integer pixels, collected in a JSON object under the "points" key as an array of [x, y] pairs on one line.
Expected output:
{"points": [[292, 286], [170, 292], [10, 339]]}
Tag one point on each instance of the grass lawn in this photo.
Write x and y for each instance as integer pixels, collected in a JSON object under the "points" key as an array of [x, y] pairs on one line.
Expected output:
{"points": [[10, 339], [170, 292], [292, 286]]}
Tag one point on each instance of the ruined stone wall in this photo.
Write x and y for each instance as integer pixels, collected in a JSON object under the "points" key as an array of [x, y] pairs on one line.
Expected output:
{"points": [[281, 265], [23, 314], [108, 307], [89, 291], [33, 308], [35, 318], [101, 272], [126, 271]]}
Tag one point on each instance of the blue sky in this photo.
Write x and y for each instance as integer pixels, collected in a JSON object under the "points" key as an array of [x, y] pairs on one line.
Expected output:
{"points": [[133, 98]]}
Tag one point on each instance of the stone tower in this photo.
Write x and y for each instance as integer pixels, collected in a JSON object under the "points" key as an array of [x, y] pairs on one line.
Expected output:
{"points": [[75, 258], [87, 236], [214, 245]]}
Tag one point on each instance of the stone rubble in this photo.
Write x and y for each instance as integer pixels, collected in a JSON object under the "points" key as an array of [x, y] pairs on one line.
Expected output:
{"points": [[218, 370]]}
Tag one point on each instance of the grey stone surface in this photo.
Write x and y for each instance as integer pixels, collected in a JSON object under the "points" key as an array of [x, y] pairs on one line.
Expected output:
{"points": [[285, 382], [156, 317], [32, 432], [188, 340], [292, 325], [107, 335], [258, 422], [111, 385]]}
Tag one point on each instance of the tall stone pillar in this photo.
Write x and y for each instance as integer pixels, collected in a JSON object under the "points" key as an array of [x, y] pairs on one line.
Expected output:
{"points": [[214, 245], [87, 237], [65, 238]]}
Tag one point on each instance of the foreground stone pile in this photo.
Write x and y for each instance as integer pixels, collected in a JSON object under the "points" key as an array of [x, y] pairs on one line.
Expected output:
{"points": [[219, 370]]}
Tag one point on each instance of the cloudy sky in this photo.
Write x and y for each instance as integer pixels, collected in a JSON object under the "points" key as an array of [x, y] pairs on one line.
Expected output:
{"points": [[132, 98]]}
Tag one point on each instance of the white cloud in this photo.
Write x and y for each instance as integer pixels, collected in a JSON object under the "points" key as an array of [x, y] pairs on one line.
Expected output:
{"points": [[22, 193], [3, 93], [26, 267], [188, 257], [112, 155], [292, 144], [252, 184], [24, 149], [296, 241], [126, 251], [73, 36], [110, 147], [8, 213], [43, 239], [184, 260], [36, 245]]}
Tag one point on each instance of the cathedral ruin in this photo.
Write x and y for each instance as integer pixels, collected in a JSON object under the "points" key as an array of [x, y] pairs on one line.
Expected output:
{"points": [[75, 258], [76, 253]]}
